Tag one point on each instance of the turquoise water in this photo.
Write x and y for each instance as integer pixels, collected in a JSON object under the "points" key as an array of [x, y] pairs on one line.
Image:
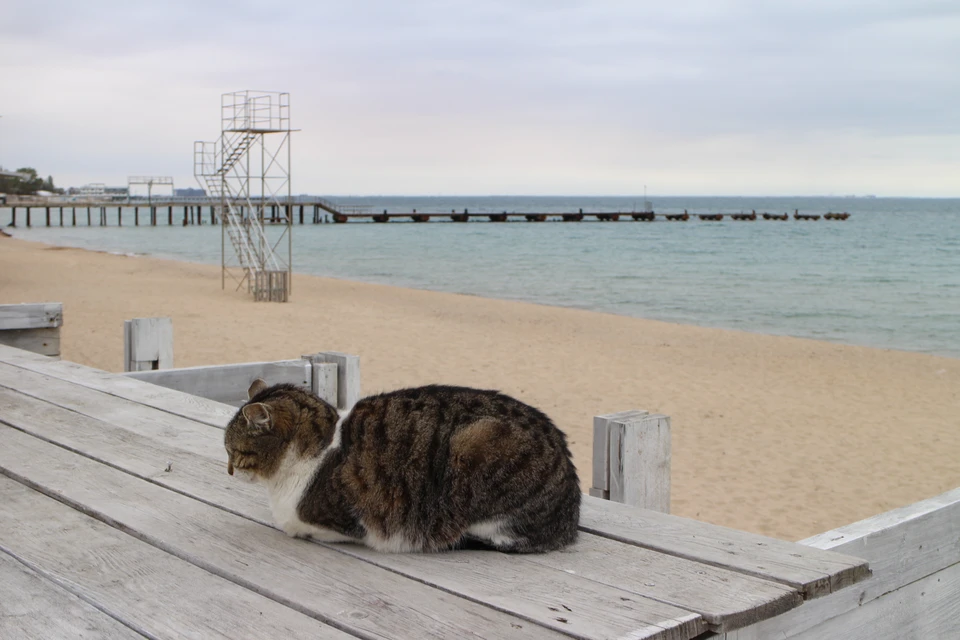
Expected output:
{"points": [[888, 277]]}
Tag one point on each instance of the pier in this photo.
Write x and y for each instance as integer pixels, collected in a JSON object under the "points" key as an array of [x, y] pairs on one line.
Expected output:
{"points": [[200, 211]]}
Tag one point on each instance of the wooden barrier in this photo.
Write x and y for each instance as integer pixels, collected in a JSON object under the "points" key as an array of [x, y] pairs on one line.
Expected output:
{"points": [[229, 383], [914, 555], [332, 375], [32, 327], [631, 459], [147, 344]]}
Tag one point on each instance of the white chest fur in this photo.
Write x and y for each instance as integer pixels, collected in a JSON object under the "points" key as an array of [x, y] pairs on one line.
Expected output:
{"points": [[287, 486]]}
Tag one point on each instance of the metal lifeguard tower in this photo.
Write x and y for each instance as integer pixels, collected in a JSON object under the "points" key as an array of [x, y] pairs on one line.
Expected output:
{"points": [[248, 170]]}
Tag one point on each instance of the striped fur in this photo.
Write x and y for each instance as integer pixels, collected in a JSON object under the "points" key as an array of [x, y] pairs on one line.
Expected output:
{"points": [[421, 469]]}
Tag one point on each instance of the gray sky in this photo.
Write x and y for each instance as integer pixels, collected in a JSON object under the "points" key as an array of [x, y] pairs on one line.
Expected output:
{"points": [[500, 97]]}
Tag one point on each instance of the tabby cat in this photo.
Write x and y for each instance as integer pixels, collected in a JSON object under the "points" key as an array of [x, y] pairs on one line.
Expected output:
{"points": [[423, 469]]}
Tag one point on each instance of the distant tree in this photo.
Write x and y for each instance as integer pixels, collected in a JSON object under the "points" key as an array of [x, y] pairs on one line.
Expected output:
{"points": [[31, 184]]}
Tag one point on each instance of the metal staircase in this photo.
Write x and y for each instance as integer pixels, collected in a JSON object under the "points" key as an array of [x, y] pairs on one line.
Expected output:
{"points": [[227, 169]]}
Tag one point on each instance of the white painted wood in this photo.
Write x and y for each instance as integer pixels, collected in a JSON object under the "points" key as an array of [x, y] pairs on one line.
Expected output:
{"points": [[46, 342], [323, 378], [148, 344], [639, 446], [527, 591], [32, 607], [813, 572], [45, 315], [140, 585], [228, 383], [348, 376]]}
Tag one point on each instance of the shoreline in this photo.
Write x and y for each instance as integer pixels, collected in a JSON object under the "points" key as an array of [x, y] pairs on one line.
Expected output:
{"points": [[300, 274], [774, 434]]}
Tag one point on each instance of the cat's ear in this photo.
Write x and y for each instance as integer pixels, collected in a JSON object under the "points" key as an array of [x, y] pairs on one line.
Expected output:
{"points": [[255, 388], [257, 415]]}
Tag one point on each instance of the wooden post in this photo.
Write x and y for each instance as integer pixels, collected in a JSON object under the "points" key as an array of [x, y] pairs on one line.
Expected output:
{"points": [[301, 214], [170, 216], [147, 344], [119, 216], [73, 216], [136, 216], [48, 216], [13, 217], [323, 378], [631, 459], [28, 217], [61, 216], [213, 217], [88, 217], [348, 377]]}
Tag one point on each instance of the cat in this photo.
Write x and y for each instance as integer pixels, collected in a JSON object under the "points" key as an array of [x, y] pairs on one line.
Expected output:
{"points": [[423, 469]]}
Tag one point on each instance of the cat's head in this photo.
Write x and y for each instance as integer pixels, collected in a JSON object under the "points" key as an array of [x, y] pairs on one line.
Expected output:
{"points": [[274, 419], [253, 438]]}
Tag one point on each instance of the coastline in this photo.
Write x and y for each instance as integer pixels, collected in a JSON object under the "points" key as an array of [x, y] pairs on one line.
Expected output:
{"points": [[782, 436]]}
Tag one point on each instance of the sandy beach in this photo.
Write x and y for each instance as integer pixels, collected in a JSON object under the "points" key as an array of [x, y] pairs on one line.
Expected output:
{"points": [[780, 436]]}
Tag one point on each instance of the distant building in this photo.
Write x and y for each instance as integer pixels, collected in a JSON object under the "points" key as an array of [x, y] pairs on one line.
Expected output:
{"points": [[189, 193]]}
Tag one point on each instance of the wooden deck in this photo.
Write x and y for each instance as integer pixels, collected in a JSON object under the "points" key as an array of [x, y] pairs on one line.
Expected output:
{"points": [[118, 519]]}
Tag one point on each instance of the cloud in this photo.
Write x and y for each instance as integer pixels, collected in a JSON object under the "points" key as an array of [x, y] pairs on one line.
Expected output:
{"points": [[458, 95]]}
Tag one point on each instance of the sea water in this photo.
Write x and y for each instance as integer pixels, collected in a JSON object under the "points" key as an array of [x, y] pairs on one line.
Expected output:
{"points": [[887, 277]]}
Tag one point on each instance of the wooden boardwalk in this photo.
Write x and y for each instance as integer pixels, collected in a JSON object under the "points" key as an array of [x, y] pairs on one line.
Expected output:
{"points": [[118, 520]]}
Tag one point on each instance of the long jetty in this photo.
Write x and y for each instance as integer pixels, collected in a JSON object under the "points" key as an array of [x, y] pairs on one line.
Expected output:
{"points": [[199, 211]]}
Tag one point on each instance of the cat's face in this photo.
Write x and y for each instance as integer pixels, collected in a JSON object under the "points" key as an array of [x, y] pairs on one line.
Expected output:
{"points": [[254, 443]]}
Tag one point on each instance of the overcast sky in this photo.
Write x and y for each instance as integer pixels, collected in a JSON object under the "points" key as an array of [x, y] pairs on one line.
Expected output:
{"points": [[534, 97]]}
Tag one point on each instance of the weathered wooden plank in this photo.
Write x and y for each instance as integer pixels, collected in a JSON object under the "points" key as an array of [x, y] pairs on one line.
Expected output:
{"points": [[199, 471], [725, 599], [496, 580], [139, 585], [923, 610], [179, 432], [355, 596], [148, 344], [639, 458], [46, 342], [228, 383], [176, 402], [903, 546], [43, 315], [812, 571], [32, 607]]}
